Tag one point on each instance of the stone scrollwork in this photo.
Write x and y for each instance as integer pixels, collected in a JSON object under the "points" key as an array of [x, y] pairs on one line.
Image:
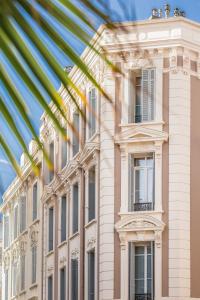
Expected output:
{"points": [[33, 236], [75, 253], [91, 243], [6, 260]]}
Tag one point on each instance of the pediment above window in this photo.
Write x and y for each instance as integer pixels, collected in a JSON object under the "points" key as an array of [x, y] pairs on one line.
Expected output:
{"points": [[139, 223], [140, 134]]}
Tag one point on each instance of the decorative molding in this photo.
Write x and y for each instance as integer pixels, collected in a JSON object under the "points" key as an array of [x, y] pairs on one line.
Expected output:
{"points": [[91, 243], [75, 253]]}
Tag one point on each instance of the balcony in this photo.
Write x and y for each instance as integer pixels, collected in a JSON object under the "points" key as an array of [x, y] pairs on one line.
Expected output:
{"points": [[143, 206], [143, 297]]}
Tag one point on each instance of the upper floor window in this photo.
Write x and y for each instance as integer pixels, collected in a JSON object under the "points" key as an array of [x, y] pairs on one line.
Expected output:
{"points": [[92, 113], [63, 284], [74, 279], [141, 271], [141, 182], [50, 287], [51, 156], [22, 213], [142, 96], [51, 225], [91, 194], [63, 211], [91, 275], [6, 288], [34, 264], [75, 207], [64, 146], [22, 272], [6, 231], [75, 138], [15, 222], [35, 201]]}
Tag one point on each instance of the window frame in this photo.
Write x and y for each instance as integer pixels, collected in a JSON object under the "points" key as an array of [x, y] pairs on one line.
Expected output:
{"points": [[66, 218], [93, 167], [34, 264], [75, 230], [76, 136]]}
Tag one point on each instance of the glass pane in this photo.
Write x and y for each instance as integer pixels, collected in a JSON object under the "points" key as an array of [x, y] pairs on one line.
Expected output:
{"points": [[139, 286], [149, 273], [150, 161], [140, 162], [149, 286], [139, 267], [139, 250], [139, 186], [150, 180]]}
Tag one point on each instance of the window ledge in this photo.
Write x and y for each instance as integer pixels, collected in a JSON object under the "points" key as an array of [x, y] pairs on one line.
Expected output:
{"points": [[93, 221], [74, 235], [141, 212], [33, 286], [62, 244], [142, 124], [35, 222], [22, 292], [49, 253], [92, 138]]}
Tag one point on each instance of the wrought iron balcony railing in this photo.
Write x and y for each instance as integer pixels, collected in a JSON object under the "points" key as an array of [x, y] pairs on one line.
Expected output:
{"points": [[143, 206]]}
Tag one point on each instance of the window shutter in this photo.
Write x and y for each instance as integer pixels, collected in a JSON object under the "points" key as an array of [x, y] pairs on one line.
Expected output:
{"points": [[131, 182], [148, 94]]}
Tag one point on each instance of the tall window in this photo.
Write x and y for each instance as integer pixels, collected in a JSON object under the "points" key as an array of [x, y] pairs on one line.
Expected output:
{"points": [[51, 225], [15, 222], [141, 271], [51, 156], [63, 218], [22, 272], [92, 112], [91, 194], [75, 206], [22, 213], [35, 201], [74, 279], [142, 96], [64, 147], [6, 285], [75, 139], [91, 275], [6, 231], [63, 284], [34, 263], [141, 182], [14, 279], [50, 287]]}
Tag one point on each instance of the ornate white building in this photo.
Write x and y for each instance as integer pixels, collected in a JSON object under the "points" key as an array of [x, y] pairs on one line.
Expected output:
{"points": [[119, 218]]}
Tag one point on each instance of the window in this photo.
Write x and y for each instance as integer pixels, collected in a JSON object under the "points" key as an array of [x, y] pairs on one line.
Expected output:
{"points": [[6, 231], [35, 201], [74, 279], [6, 285], [15, 222], [141, 271], [64, 147], [142, 96], [34, 263], [75, 140], [63, 218], [14, 279], [91, 194], [62, 284], [92, 112], [22, 272], [51, 156], [91, 275], [50, 287], [141, 183], [22, 213], [51, 225], [75, 206]]}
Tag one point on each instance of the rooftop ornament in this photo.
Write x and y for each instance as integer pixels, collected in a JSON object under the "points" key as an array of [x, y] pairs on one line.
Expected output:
{"points": [[157, 13]]}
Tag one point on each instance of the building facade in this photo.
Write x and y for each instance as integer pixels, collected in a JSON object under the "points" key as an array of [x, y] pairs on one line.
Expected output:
{"points": [[118, 219]]}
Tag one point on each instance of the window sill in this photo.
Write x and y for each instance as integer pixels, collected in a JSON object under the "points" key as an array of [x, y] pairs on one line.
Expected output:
{"points": [[142, 124], [74, 235], [141, 212], [22, 292], [50, 253], [93, 221], [92, 138], [33, 286], [62, 244], [34, 222]]}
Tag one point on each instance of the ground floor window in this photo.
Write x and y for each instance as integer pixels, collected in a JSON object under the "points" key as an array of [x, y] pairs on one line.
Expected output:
{"points": [[141, 270]]}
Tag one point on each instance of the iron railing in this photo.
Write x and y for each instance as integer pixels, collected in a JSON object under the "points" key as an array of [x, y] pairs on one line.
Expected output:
{"points": [[143, 206]]}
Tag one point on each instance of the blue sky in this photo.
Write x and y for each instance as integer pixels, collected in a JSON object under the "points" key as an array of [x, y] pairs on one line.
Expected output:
{"points": [[122, 10]]}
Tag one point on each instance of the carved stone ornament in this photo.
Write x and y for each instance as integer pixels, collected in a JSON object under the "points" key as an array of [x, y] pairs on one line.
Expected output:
{"points": [[6, 260], [91, 243], [75, 253], [63, 260], [33, 236], [22, 246]]}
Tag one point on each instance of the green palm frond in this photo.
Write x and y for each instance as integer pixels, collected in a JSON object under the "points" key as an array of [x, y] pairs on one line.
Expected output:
{"points": [[16, 19]]}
